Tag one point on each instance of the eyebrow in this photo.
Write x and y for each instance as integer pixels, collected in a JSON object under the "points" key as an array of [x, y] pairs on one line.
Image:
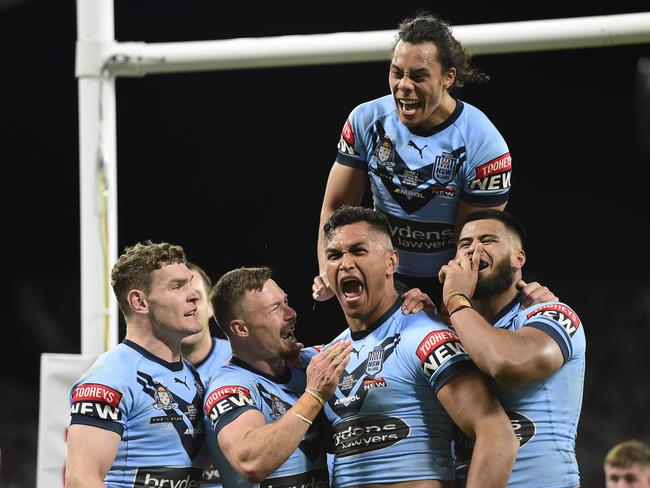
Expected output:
{"points": [[482, 236]]}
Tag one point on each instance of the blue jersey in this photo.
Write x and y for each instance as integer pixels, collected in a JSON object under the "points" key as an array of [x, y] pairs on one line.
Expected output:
{"points": [[155, 407], [545, 413], [385, 408], [218, 355], [238, 387], [418, 178]]}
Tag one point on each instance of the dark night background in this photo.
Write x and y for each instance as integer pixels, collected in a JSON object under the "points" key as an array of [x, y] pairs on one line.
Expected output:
{"points": [[233, 164]]}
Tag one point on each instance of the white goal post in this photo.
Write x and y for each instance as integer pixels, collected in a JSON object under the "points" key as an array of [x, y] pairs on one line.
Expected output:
{"points": [[100, 59]]}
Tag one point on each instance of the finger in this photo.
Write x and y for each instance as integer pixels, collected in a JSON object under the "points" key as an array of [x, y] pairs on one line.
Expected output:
{"points": [[521, 284], [442, 273], [476, 257]]}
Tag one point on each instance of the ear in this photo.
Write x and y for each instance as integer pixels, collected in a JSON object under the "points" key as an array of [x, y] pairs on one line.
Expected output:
{"points": [[238, 328], [392, 261], [137, 301], [449, 78], [519, 259]]}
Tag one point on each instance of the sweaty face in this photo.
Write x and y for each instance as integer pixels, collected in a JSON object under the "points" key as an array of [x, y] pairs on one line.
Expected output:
{"points": [[360, 267], [271, 322], [418, 84], [203, 311], [628, 477], [500, 259], [173, 300]]}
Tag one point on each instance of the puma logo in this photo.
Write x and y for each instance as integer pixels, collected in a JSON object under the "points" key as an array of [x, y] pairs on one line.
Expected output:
{"points": [[357, 352], [412, 144], [183, 381]]}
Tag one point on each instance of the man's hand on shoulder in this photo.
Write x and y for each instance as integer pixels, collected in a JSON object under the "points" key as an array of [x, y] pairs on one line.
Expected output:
{"points": [[533, 293]]}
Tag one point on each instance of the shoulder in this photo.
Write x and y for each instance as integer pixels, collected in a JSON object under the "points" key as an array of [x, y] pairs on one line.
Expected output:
{"points": [[554, 313], [373, 109], [474, 121]]}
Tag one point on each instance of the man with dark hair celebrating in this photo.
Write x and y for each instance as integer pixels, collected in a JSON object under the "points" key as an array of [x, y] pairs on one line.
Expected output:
{"points": [[394, 409], [431, 158], [536, 355]]}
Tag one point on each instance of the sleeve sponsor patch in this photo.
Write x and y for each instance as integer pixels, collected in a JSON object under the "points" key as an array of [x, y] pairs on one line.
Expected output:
{"points": [[225, 399], [559, 313], [437, 348], [493, 175], [346, 143], [95, 400]]}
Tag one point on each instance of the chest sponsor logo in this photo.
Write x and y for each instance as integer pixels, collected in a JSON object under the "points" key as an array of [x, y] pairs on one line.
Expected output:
{"points": [[227, 398], [561, 314], [96, 400], [164, 476], [437, 348], [371, 383], [317, 478], [420, 237], [493, 175], [368, 433], [523, 426], [445, 167]]}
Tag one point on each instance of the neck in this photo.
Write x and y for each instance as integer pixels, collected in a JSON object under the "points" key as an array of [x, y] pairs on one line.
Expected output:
{"points": [[272, 367], [361, 323], [489, 307], [196, 353], [445, 108], [165, 348]]}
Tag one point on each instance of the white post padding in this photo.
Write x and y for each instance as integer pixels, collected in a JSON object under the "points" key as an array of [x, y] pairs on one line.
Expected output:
{"points": [[58, 373]]}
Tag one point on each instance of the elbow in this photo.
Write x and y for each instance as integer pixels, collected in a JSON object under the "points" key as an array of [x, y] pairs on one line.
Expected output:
{"points": [[254, 472], [508, 374]]}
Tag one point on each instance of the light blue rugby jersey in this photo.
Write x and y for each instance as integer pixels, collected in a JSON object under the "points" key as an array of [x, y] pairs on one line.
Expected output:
{"points": [[218, 355], [418, 178], [545, 413], [238, 387], [388, 425], [156, 408]]}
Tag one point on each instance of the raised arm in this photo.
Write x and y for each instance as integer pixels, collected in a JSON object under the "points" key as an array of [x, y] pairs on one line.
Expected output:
{"points": [[471, 404], [345, 186], [91, 452], [257, 449]]}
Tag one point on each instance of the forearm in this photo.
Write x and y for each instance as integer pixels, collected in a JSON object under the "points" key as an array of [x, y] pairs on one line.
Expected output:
{"points": [[494, 453], [320, 243], [74, 480], [264, 449], [494, 351]]}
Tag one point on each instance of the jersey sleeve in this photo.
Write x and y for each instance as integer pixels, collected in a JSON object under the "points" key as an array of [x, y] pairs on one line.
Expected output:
{"points": [[487, 172], [558, 321], [101, 400], [229, 395], [352, 150], [439, 355]]}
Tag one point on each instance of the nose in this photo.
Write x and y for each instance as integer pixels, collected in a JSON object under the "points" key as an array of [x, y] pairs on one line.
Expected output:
{"points": [[194, 295], [347, 262], [290, 313], [405, 84]]}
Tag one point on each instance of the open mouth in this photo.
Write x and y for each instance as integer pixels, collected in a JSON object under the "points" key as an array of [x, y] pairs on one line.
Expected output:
{"points": [[190, 314], [288, 335], [482, 264], [407, 106], [352, 288]]}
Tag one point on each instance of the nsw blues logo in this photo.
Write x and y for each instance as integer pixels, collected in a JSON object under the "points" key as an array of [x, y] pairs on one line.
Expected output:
{"points": [[375, 361], [444, 167]]}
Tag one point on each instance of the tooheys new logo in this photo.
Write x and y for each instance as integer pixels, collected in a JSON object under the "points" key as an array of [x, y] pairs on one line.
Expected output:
{"points": [[561, 314], [98, 401], [166, 477], [437, 348], [493, 175], [368, 433], [225, 399]]}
